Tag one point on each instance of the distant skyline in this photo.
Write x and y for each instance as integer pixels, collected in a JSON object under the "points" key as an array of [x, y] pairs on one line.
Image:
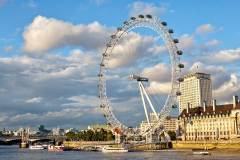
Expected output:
{"points": [[50, 54]]}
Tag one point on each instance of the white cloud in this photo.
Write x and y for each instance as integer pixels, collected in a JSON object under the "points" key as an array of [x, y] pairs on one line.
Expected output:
{"points": [[34, 100], [160, 72], [83, 100], [159, 88], [158, 49], [45, 33], [228, 89], [212, 43], [130, 49], [187, 43], [226, 56], [146, 8], [209, 45], [205, 29]]}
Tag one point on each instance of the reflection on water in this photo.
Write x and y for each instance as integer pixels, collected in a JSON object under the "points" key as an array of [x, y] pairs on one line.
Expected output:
{"points": [[14, 153]]}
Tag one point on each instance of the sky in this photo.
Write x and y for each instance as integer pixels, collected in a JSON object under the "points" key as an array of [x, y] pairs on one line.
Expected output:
{"points": [[50, 53]]}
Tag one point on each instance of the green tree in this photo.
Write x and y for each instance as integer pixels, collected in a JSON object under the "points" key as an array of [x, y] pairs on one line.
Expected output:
{"points": [[172, 135], [71, 136]]}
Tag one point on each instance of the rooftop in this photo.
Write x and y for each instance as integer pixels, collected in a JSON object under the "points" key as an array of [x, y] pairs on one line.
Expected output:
{"points": [[197, 74], [219, 109]]}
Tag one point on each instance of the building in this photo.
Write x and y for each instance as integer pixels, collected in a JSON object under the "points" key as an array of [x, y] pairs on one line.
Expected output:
{"points": [[98, 127], [170, 123], [195, 89], [58, 131], [212, 122], [71, 130]]}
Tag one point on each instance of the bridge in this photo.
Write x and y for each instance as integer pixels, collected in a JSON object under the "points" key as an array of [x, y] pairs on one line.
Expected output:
{"points": [[10, 140]]}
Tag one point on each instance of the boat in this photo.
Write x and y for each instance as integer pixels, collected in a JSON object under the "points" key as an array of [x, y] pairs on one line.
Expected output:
{"points": [[54, 148], [108, 149], [201, 153], [36, 147]]}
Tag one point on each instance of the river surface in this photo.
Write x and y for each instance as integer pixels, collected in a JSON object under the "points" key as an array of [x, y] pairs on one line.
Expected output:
{"points": [[14, 153]]}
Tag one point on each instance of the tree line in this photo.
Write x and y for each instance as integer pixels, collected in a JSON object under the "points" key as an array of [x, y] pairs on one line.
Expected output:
{"points": [[90, 135]]}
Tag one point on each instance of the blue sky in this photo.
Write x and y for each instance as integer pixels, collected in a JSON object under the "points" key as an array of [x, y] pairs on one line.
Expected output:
{"points": [[50, 51]]}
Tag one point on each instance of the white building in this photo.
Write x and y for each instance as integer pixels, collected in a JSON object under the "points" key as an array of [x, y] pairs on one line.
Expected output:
{"points": [[170, 123], [211, 122], [195, 89], [57, 131]]}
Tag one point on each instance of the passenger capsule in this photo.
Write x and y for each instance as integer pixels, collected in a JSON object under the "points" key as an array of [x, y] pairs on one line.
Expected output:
{"points": [[176, 41], [174, 106], [102, 106], [125, 22], [113, 36], [164, 23], [109, 45], [119, 28], [133, 18], [180, 79], [179, 52], [181, 65], [100, 75], [178, 93], [141, 16], [102, 64], [170, 31], [149, 16], [104, 54]]}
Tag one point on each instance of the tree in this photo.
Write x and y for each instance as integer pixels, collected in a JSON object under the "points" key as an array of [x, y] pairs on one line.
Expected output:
{"points": [[71, 136], [41, 128], [172, 135]]}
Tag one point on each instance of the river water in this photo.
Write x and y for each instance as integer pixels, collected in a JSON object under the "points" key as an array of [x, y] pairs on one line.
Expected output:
{"points": [[14, 153]]}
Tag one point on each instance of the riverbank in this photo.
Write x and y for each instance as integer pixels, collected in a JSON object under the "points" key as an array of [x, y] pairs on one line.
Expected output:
{"points": [[226, 144], [95, 145]]}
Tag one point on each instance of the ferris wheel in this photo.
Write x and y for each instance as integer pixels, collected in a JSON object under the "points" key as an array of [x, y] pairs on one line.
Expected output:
{"points": [[160, 27]]}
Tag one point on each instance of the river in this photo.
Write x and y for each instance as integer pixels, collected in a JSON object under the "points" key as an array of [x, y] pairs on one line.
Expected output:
{"points": [[14, 153]]}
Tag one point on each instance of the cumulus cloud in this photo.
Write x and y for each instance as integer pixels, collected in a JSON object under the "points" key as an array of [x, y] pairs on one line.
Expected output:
{"points": [[44, 34], [34, 100], [56, 79], [205, 29], [160, 72], [226, 56], [83, 100], [209, 45], [159, 88], [146, 8], [219, 74], [228, 89], [130, 49], [187, 43], [212, 43]]}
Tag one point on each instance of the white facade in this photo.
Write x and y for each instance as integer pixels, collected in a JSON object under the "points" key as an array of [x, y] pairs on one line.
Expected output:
{"points": [[170, 123], [195, 89], [57, 131], [210, 123]]}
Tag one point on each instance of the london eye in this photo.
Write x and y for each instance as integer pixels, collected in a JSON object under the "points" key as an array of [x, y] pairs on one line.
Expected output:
{"points": [[160, 28]]}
